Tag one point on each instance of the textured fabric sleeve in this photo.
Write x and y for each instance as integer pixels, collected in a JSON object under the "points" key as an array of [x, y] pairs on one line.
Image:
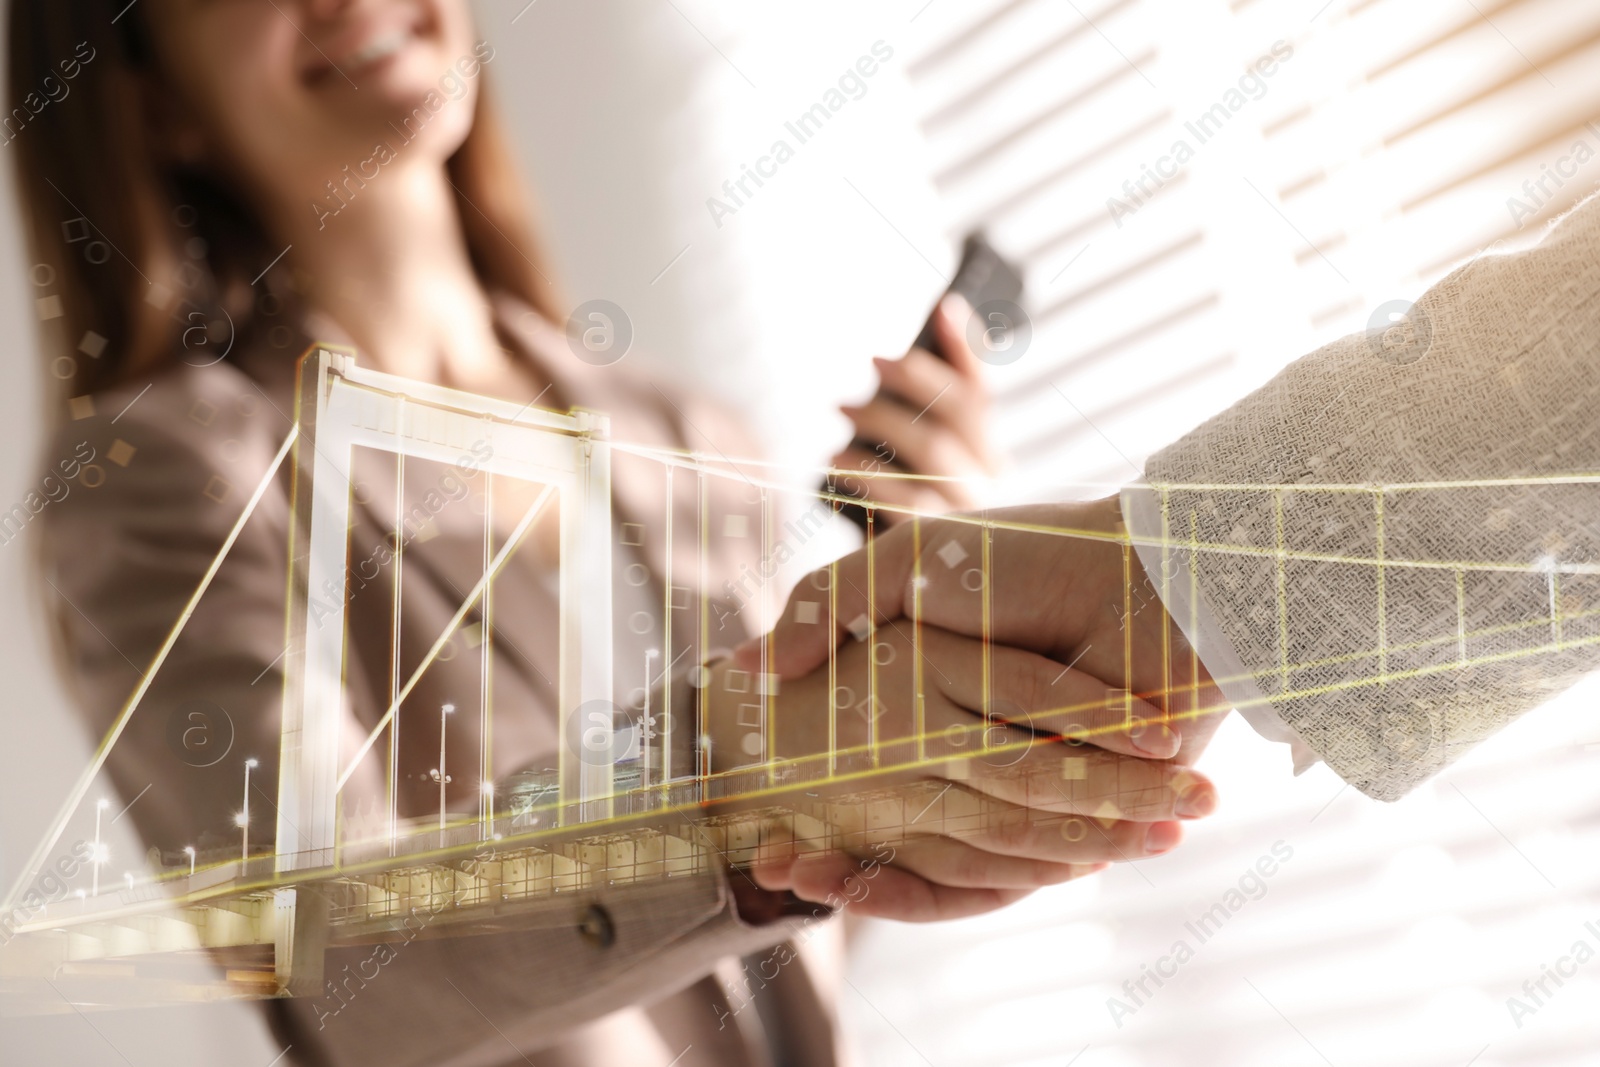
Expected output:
{"points": [[1141, 513], [1396, 538]]}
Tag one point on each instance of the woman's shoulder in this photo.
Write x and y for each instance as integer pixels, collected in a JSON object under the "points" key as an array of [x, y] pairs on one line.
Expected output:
{"points": [[645, 404], [181, 450]]}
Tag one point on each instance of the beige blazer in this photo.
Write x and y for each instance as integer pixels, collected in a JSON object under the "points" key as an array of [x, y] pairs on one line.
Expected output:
{"points": [[174, 460]]}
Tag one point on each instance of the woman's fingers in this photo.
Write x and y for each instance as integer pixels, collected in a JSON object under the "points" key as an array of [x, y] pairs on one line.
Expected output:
{"points": [[1105, 786], [925, 383], [1056, 839], [884, 890], [964, 853], [950, 325], [964, 837], [923, 445], [935, 391], [1018, 848], [887, 484], [956, 863]]}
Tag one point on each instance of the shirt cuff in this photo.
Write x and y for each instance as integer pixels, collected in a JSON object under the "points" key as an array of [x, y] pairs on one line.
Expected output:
{"points": [[1141, 514]]}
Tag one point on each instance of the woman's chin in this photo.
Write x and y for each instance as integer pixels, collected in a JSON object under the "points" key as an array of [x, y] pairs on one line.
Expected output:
{"points": [[422, 101], [399, 115]]}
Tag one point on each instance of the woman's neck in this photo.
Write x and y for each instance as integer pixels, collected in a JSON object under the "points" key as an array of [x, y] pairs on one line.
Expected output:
{"points": [[391, 267]]}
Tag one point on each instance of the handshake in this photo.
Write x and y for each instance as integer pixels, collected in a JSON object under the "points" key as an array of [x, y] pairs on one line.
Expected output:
{"points": [[1024, 658]]}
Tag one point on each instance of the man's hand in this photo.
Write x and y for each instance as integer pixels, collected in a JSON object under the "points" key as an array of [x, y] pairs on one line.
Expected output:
{"points": [[1059, 580], [1002, 727]]}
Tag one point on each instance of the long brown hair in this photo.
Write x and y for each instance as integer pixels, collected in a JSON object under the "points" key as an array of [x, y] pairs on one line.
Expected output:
{"points": [[133, 252]]}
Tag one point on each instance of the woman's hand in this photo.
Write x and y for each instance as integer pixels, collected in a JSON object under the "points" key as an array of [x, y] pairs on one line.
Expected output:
{"points": [[978, 813], [930, 416]]}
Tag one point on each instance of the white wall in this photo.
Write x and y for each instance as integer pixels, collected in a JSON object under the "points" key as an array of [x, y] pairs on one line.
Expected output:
{"points": [[629, 115], [633, 114]]}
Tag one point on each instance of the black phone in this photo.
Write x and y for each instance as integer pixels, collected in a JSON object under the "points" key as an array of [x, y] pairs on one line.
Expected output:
{"points": [[983, 276]]}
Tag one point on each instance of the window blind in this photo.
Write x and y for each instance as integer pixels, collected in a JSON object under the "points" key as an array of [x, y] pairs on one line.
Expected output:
{"points": [[1395, 140]]}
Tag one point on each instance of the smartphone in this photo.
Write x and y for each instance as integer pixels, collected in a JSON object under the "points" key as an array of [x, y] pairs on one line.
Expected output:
{"points": [[983, 275]]}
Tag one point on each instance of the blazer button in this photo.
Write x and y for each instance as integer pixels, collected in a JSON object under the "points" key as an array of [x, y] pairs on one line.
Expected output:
{"points": [[595, 926]]}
